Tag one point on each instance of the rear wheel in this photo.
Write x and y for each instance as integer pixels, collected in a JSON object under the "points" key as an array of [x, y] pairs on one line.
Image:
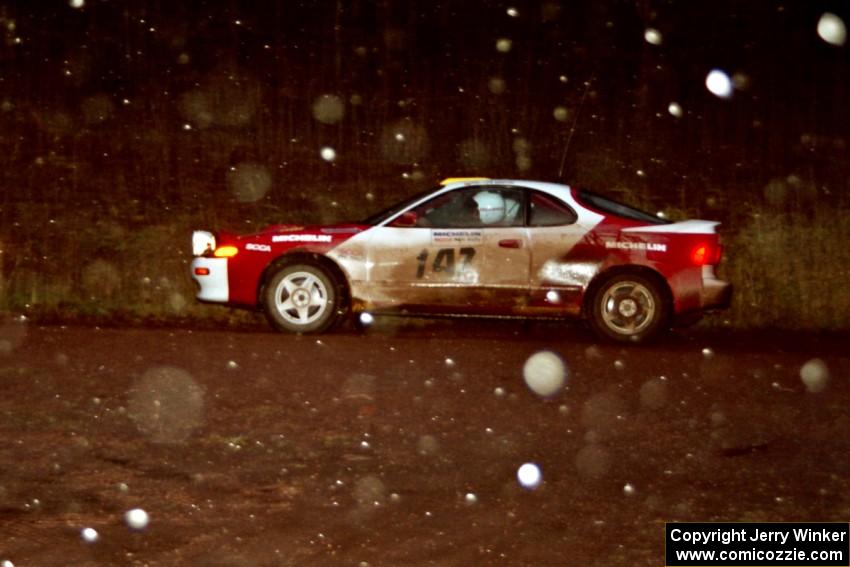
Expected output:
{"points": [[301, 298], [628, 308]]}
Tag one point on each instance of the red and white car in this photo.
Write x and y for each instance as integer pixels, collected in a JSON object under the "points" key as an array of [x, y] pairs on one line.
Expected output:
{"points": [[475, 246]]}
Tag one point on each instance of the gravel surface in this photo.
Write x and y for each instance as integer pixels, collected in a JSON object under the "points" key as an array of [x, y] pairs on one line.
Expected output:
{"points": [[400, 445]]}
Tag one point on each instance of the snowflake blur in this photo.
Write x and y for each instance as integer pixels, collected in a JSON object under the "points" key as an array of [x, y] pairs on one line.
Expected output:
{"points": [[167, 404], [136, 519], [529, 476], [89, 535], [653, 36], [719, 83], [815, 375], [327, 153], [545, 373], [832, 29]]}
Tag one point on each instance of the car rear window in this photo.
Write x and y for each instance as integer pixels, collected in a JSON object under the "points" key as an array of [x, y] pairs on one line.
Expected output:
{"points": [[606, 205], [548, 211]]}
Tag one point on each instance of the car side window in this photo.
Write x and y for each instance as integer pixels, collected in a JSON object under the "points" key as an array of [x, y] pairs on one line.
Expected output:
{"points": [[545, 210], [472, 207]]}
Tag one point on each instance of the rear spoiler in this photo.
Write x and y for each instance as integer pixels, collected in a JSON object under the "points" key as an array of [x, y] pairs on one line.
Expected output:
{"points": [[683, 227]]}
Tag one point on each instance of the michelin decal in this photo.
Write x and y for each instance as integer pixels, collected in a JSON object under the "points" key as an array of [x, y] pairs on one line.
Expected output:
{"points": [[302, 238], [648, 246]]}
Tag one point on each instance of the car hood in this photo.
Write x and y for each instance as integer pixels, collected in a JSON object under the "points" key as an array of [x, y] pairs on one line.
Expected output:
{"points": [[341, 228]]}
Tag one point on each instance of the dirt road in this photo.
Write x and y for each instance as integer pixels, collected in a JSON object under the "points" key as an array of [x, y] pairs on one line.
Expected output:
{"points": [[401, 445]]}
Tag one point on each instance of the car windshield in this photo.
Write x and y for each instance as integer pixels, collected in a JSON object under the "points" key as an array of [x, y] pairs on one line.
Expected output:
{"points": [[606, 205], [380, 217]]}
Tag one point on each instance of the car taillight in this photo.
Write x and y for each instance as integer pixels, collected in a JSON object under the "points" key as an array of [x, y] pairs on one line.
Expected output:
{"points": [[225, 251], [706, 254], [700, 254], [202, 271]]}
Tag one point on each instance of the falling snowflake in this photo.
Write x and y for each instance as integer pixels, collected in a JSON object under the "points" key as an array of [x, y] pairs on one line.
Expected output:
{"points": [[653, 36], [675, 109], [719, 83], [136, 518], [529, 475], [831, 29], [328, 153], [544, 373]]}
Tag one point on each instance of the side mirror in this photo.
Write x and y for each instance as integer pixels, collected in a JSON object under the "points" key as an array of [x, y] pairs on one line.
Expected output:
{"points": [[407, 219]]}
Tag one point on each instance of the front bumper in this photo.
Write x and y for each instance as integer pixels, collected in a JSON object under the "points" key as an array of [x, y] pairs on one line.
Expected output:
{"points": [[211, 277]]}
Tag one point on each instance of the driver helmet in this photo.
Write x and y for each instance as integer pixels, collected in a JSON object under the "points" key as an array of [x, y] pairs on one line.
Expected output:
{"points": [[491, 207], [511, 210]]}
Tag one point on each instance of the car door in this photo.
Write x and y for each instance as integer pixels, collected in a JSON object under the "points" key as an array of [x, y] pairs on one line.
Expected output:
{"points": [[560, 269], [504, 273], [458, 252]]}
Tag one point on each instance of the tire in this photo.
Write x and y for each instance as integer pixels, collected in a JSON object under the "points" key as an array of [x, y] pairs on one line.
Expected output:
{"points": [[302, 298], [628, 308]]}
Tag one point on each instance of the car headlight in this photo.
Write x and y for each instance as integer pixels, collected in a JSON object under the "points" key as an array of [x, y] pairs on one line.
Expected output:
{"points": [[203, 243]]}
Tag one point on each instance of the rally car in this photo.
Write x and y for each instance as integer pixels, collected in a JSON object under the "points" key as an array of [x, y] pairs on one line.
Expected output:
{"points": [[475, 247]]}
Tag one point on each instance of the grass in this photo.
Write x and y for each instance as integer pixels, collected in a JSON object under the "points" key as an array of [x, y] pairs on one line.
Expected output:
{"points": [[107, 240], [790, 271], [107, 268], [111, 154], [789, 268]]}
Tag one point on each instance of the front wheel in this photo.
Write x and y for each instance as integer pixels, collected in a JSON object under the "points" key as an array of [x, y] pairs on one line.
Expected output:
{"points": [[628, 308], [301, 298]]}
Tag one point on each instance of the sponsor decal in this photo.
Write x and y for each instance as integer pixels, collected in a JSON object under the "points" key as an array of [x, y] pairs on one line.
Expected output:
{"points": [[456, 236], [258, 247], [626, 245], [302, 238]]}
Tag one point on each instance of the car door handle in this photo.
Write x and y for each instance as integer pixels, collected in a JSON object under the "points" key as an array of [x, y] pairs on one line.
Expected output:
{"points": [[510, 243]]}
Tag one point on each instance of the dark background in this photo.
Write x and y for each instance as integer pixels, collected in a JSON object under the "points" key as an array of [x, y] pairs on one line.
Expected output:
{"points": [[125, 125], [95, 98]]}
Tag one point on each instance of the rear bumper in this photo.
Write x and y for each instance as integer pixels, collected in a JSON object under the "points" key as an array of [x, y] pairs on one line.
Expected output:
{"points": [[716, 293], [211, 276]]}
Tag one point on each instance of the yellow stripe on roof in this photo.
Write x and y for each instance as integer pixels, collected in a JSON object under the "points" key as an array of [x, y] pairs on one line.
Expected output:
{"points": [[450, 180]]}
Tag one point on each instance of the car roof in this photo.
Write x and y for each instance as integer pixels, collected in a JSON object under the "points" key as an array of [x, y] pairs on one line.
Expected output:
{"points": [[545, 186], [560, 191], [458, 181]]}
